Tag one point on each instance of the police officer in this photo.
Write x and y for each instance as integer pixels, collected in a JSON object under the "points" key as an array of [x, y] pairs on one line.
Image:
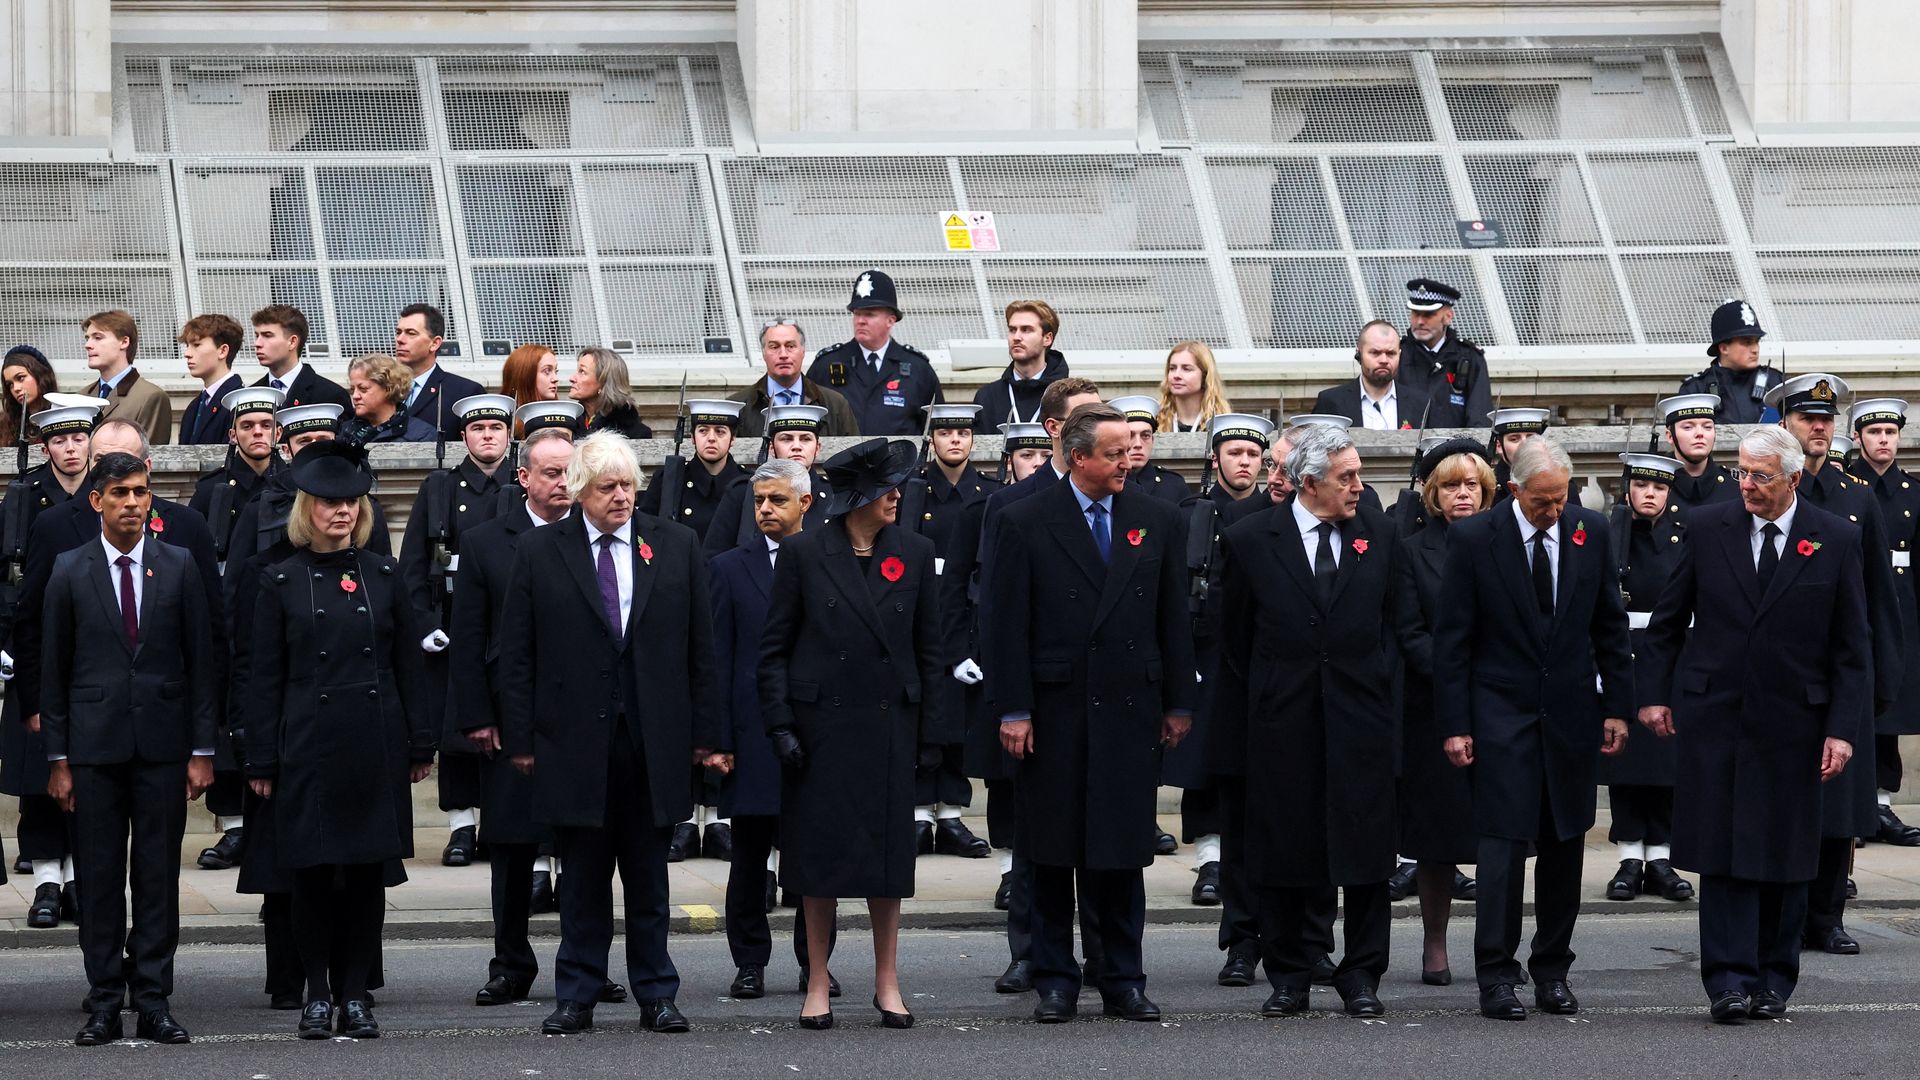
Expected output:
{"points": [[1735, 376], [1646, 530], [1690, 435], [449, 503], [887, 382], [791, 432], [933, 503], [1143, 414], [1511, 427], [698, 484], [1877, 425], [1438, 366]]}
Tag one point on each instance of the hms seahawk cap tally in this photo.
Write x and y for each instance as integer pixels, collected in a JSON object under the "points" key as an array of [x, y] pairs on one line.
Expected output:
{"points": [[952, 416], [1138, 407]]}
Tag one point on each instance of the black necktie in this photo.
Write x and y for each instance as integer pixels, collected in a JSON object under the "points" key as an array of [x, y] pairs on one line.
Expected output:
{"points": [[1769, 555], [1542, 574], [1323, 566]]}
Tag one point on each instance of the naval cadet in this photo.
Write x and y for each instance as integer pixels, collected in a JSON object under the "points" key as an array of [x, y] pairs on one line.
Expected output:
{"points": [[1735, 376], [1877, 425], [1511, 428], [791, 432], [1143, 416], [1444, 372], [689, 491], [1690, 429], [888, 383]]}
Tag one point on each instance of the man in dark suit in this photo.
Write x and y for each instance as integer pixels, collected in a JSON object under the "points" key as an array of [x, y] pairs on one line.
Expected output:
{"points": [[1309, 690], [886, 382], [279, 341], [1091, 658], [417, 337], [1877, 426], [209, 343], [129, 706], [1767, 695], [1531, 611], [1376, 400], [624, 597], [793, 434]]}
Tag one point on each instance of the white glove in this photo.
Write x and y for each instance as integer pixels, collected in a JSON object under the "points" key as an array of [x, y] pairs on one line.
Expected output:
{"points": [[968, 672], [6, 665], [436, 641]]}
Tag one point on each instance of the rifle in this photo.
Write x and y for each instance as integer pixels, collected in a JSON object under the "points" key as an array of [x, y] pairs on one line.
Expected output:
{"points": [[913, 493], [13, 525], [1413, 471], [439, 493], [673, 471], [220, 511]]}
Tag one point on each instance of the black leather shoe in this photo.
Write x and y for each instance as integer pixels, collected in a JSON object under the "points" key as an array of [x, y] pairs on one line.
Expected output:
{"points": [[1131, 1004], [952, 837], [685, 843], [717, 842], [1499, 1002], [1833, 940], [612, 993], [1662, 881], [459, 849], [1055, 1007], [1237, 971], [1627, 880], [1556, 997], [1400, 882], [749, 982], [1017, 979], [773, 891], [1322, 973], [896, 1021], [70, 903], [1729, 1007], [923, 838], [357, 1022], [1363, 1002], [1437, 977], [1003, 896], [1285, 1001], [23, 866], [102, 1028], [1896, 832], [1767, 1005], [1164, 843], [568, 1018], [316, 1020], [44, 913], [226, 854], [544, 902], [833, 984], [822, 1022], [284, 1002], [1853, 890], [663, 1016], [1465, 888], [1206, 885], [501, 990]]}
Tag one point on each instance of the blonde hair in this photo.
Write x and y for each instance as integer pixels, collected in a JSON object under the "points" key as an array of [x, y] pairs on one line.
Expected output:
{"points": [[1456, 467], [300, 521], [1212, 401], [386, 373], [601, 454]]}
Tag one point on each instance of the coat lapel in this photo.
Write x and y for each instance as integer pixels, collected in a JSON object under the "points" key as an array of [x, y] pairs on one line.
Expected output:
{"points": [[1509, 553], [1071, 532], [1791, 561], [642, 579], [1123, 553], [760, 571], [1291, 550], [580, 567], [1736, 542], [1351, 530], [108, 589], [1570, 563], [843, 567]]}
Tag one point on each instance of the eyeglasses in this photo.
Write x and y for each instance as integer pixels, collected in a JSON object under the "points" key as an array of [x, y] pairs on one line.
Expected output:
{"points": [[766, 326], [1760, 478]]}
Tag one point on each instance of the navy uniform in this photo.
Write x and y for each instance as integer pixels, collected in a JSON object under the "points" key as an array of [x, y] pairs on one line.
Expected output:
{"points": [[527, 419], [1148, 478], [1640, 778], [1898, 492], [888, 389], [699, 489], [1848, 807], [1715, 483], [1743, 394], [736, 505], [1451, 383], [1505, 422]]}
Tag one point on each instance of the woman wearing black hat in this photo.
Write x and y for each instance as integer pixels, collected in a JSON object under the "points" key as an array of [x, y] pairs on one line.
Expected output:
{"points": [[28, 379], [1436, 803], [849, 664], [336, 655]]}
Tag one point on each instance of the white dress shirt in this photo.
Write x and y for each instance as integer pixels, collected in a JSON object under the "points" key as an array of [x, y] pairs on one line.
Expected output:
{"points": [[622, 562], [1309, 527], [1382, 414], [539, 521], [773, 550], [1784, 521], [139, 568], [774, 390], [1526, 544], [286, 381]]}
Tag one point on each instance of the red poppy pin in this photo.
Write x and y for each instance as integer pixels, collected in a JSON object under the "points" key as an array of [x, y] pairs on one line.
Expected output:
{"points": [[1580, 535], [1136, 536], [891, 568], [347, 584], [149, 571], [155, 523], [1359, 545], [893, 384], [646, 553], [1806, 547]]}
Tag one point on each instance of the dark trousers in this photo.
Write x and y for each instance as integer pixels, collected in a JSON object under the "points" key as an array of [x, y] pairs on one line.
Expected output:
{"points": [[630, 843], [228, 795], [284, 978], [142, 801], [337, 913], [1003, 811], [945, 782], [1750, 934], [1003, 820], [1641, 814], [462, 786], [706, 787], [1113, 913], [46, 831], [1827, 892], [512, 873], [1239, 922], [1887, 767], [1199, 813], [749, 938], [1502, 871], [1291, 929]]}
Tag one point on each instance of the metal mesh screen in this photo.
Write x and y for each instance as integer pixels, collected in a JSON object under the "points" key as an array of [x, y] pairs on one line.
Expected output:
{"points": [[1397, 202], [1273, 203], [552, 305], [1164, 101], [1083, 204], [519, 211], [1386, 280], [645, 209], [936, 296], [44, 308], [1539, 200], [366, 301], [1656, 199], [145, 104], [835, 206], [240, 292], [1675, 295], [1833, 195], [667, 309], [1845, 296], [83, 212], [1253, 99], [231, 104], [1118, 304], [246, 213], [1298, 303], [554, 103], [379, 212], [1563, 301], [1561, 94]]}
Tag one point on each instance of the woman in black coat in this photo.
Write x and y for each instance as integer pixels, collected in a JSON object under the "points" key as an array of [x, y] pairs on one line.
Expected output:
{"points": [[1436, 799], [601, 385], [849, 663], [337, 655]]}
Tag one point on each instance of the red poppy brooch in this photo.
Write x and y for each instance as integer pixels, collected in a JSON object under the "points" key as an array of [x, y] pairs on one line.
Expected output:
{"points": [[891, 568], [155, 524], [347, 584], [1359, 545], [646, 552], [1136, 536], [1806, 547], [1580, 535]]}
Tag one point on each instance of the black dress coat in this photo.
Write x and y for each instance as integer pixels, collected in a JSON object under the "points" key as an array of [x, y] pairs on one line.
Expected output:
{"points": [[1435, 797], [1646, 553], [1451, 385], [556, 679], [205, 423], [740, 583], [1756, 687], [625, 420], [312, 388], [849, 661], [1163, 484], [1712, 485], [473, 498], [434, 405], [1529, 700], [981, 754], [700, 494], [1898, 493], [1308, 689], [1190, 765], [336, 667], [244, 486], [1098, 654]]}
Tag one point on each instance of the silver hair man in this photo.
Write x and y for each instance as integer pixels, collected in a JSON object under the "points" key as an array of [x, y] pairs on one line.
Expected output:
{"points": [[794, 473], [1540, 455], [1777, 443], [1312, 449]]}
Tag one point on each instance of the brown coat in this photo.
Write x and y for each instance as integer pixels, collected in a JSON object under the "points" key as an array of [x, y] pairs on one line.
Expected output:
{"points": [[840, 418], [142, 402]]}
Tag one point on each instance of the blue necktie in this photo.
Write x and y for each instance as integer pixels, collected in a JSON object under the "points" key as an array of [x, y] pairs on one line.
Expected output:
{"points": [[610, 587], [1102, 533]]}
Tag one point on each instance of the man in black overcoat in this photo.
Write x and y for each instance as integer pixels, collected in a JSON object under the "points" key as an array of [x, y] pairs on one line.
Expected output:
{"points": [[1877, 425], [1531, 613], [1766, 696], [607, 697], [1091, 661]]}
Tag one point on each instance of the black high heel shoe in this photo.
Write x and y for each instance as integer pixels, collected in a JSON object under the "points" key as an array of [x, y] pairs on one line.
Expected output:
{"points": [[817, 1023], [899, 1021]]}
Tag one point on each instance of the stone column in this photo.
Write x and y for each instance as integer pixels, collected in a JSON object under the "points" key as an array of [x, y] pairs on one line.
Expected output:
{"points": [[57, 72], [1823, 62]]}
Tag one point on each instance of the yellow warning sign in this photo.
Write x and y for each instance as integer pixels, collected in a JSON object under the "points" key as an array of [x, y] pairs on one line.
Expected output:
{"points": [[970, 231], [954, 221]]}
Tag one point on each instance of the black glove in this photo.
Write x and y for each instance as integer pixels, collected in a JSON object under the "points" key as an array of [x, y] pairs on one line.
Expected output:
{"points": [[930, 756], [786, 747]]}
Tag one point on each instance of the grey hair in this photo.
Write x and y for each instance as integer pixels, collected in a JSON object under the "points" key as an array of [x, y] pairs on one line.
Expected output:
{"points": [[607, 453], [794, 473], [1539, 455], [146, 445], [1313, 447], [1777, 443], [793, 324]]}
